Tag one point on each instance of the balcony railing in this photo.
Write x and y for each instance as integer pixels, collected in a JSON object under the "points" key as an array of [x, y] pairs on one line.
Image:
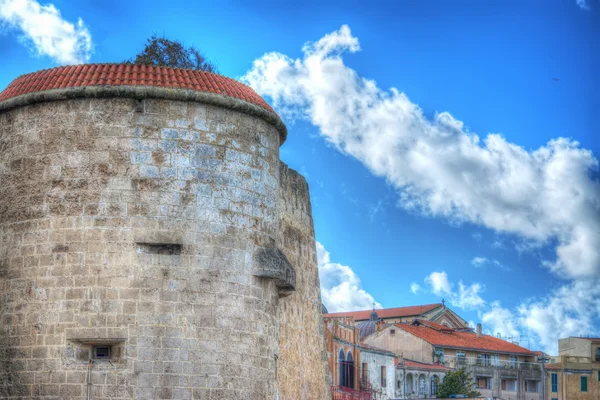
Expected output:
{"points": [[344, 393], [458, 362]]}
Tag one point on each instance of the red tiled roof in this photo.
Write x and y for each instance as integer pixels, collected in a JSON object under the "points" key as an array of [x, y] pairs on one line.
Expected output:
{"points": [[540, 353], [434, 325], [130, 75], [386, 312], [414, 364], [463, 340]]}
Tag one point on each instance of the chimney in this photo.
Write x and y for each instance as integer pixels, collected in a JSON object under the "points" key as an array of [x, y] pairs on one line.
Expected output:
{"points": [[478, 330]]}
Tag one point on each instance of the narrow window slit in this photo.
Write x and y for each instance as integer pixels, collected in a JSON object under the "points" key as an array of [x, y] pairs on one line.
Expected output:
{"points": [[159, 248], [102, 352]]}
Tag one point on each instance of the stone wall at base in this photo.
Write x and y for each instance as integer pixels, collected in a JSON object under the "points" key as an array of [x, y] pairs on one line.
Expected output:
{"points": [[302, 361]]}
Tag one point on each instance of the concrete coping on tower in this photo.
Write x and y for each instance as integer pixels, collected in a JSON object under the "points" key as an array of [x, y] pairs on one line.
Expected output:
{"points": [[137, 82]]}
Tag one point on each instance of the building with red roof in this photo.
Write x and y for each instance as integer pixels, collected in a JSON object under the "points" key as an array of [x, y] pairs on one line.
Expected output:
{"points": [[437, 312], [500, 368]]}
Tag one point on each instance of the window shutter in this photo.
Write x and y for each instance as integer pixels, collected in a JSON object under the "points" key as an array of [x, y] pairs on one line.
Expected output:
{"points": [[554, 383]]}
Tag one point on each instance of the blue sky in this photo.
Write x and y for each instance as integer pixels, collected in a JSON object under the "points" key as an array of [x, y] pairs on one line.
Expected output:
{"points": [[389, 106]]}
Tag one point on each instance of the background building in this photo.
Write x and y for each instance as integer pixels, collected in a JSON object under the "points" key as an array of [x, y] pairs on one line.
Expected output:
{"points": [[356, 369], [575, 373], [500, 369], [418, 380], [431, 312]]}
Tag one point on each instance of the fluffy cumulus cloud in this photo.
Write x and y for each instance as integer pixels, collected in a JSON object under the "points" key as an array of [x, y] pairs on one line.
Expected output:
{"points": [[43, 29], [438, 167], [544, 196], [341, 288], [500, 320], [570, 310], [466, 297]]}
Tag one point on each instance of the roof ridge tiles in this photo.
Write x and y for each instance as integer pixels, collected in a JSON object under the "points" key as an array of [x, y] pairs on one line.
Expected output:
{"points": [[466, 340]]}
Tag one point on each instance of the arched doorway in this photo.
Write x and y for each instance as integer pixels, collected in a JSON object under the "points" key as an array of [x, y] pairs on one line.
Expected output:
{"points": [[410, 384], [435, 381], [422, 385]]}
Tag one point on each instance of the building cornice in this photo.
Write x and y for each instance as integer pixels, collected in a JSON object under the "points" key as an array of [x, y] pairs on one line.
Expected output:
{"points": [[147, 92]]}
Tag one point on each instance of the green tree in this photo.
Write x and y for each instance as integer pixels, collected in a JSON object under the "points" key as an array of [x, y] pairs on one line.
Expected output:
{"points": [[457, 382], [163, 52]]}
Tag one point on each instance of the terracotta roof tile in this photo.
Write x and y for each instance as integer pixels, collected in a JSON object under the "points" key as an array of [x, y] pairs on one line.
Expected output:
{"points": [[414, 364], [130, 75], [463, 340], [387, 312]]}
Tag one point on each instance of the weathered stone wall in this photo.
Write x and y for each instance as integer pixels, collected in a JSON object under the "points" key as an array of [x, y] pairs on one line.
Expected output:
{"points": [[135, 224], [302, 362]]}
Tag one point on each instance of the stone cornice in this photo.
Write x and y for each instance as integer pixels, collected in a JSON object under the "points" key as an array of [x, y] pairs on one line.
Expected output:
{"points": [[147, 92]]}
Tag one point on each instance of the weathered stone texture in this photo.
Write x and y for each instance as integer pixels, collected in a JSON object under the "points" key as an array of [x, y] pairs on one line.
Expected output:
{"points": [[302, 362], [136, 225]]}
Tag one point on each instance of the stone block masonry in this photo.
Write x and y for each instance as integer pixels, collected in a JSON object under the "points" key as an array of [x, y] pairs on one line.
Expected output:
{"points": [[302, 360], [134, 225]]}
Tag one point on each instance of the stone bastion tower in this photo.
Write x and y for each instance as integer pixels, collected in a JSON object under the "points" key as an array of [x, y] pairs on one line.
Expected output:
{"points": [[148, 225]]}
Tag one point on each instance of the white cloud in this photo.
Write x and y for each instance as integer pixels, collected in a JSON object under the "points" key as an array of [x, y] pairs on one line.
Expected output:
{"points": [[467, 297], [500, 320], [44, 29], [341, 288], [480, 262], [439, 283], [374, 209], [544, 197], [583, 4], [438, 167], [570, 310], [415, 288], [497, 244]]}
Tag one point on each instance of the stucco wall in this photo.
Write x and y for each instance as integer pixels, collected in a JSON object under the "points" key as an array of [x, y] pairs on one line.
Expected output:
{"points": [[374, 363], [88, 186], [574, 347], [302, 362], [401, 342]]}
